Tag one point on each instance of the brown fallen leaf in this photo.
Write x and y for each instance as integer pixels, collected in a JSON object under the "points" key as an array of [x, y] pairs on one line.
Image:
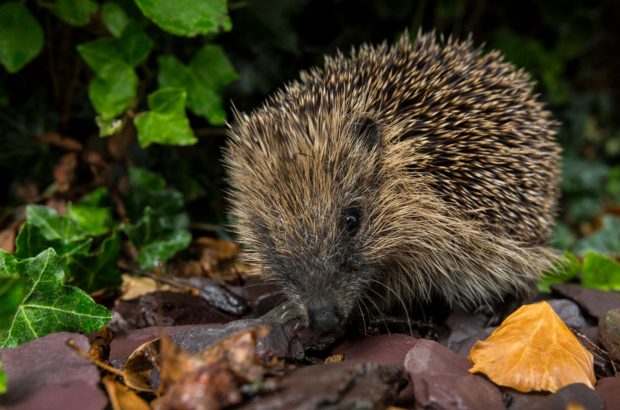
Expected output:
{"points": [[55, 139], [140, 364], [122, 397], [134, 287], [533, 350], [64, 171], [211, 379], [7, 239]]}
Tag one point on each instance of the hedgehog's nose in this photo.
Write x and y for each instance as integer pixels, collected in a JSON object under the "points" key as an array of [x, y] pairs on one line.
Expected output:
{"points": [[326, 318]]}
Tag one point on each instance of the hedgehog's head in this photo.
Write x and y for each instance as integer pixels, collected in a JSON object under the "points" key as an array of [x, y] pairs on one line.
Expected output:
{"points": [[306, 200]]}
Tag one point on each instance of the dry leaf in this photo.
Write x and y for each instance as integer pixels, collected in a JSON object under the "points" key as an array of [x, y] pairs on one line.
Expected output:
{"points": [[140, 364], [134, 287], [7, 239], [121, 397], [533, 350], [101, 345], [53, 138], [64, 171]]}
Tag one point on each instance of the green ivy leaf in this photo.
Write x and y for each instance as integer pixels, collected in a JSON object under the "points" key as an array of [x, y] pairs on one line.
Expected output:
{"points": [[114, 18], [158, 238], [52, 226], [116, 83], [47, 306], [600, 272], [148, 189], [97, 271], [11, 290], [166, 123], [74, 12], [97, 198], [21, 36], [564, 270], [203, 80], [31, 241], [187, 17], [605, 241], [93, 220]]}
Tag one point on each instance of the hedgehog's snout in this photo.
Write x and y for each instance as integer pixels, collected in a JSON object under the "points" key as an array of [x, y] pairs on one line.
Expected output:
{"points": [[326, 317]]}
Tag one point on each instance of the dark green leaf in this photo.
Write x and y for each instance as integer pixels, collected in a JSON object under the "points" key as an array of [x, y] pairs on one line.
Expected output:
{"points": [[112, 92], [21, 36], [166, 123], [600, 272], [148, 189], [98, 198], [52, 226], [114, 18], [31, 241], [94, 221], [47, 306], [605, 241], [187, 17], [158, 238], [11, 290], [97, 271], [74, 12], [564, 270], [203, 79]]}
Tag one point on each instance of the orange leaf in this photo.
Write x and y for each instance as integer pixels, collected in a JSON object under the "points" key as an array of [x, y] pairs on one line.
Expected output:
{"points": [[533, 350]]}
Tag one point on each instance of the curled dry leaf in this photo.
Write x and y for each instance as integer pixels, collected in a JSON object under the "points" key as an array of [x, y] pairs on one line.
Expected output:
{"points": [[100, 349], [533, 350], [122, 397], [140, 364], [134, 287]]}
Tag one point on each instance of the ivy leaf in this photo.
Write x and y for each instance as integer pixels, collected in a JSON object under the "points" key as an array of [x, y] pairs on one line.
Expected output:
{"points": [[533, 350], [563, 270], [11, 290], [52, 226], [93, 220], [47, 306], [148, 189], [605, 241], [31, 241], [114, 18], [203, 80], [97, 271], [600, 272], [21, 36], [187, 17], [74, 12], [166, 123], [113, 61], [97, 198], [158, 238]]}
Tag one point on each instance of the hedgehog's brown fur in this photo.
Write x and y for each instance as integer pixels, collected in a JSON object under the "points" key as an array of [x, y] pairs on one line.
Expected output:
{"points": [[456, 200]]}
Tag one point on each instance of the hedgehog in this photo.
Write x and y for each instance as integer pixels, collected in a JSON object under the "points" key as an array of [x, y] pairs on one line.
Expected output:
{"points": [[403, 174]]}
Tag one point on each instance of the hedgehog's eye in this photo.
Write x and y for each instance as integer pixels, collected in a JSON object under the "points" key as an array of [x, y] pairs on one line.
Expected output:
{"points": [[352, 221]]}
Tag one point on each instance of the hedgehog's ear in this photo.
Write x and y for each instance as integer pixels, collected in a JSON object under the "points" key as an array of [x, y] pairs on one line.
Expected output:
{"points": [[368, 131]]}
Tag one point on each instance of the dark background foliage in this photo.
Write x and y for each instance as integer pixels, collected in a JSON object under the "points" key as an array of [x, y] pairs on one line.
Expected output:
{"points": [[569, 46]]}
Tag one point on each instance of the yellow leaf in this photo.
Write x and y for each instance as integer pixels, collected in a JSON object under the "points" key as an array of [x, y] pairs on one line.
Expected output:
{"points": [[533, 350]]}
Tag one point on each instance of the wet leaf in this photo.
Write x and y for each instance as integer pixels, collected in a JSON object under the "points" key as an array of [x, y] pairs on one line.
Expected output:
{"points": [[74, 12], [533, 350], [166, 123], [114, 18], [187, 17], [21, 36], [563, 270], [97, 271], [600, 272], [203, 79], [47, 306]]}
